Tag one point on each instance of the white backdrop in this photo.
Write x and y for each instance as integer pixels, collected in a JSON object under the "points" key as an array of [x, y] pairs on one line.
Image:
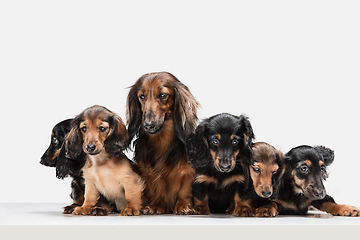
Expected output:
{"points": [[291, 66]]}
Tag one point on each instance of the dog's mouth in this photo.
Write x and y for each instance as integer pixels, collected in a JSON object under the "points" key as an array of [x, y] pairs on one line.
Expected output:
{"points": [[315, 194], [154, 130]]}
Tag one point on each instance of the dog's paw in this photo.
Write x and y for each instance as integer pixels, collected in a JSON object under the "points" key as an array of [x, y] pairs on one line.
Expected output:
{"points": [[184, 210], [130, 211], [243, 211], [69, 209], [98, 211], [345, 210], [265, 211], [202, 210], [81, 211], [151, 210]]}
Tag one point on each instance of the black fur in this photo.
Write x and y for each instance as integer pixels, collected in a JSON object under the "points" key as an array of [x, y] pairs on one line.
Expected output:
{"points": [[199, 145], [315, 195]]}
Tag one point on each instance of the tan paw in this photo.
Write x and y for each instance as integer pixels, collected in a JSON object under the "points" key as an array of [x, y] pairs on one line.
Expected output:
{"points": [[130, 211], [151, 210], [183, 210], [346, 210], [265, 211], [243, 211], [81, 211]]}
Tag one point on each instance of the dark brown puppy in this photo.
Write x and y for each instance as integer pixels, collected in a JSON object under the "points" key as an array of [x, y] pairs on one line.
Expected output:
{"points": [[102, 136], [162, 112]]}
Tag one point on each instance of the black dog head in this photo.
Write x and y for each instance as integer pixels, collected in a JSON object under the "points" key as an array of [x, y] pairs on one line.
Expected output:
{"points": [[306, 167], [49, 158], [220, 141]]}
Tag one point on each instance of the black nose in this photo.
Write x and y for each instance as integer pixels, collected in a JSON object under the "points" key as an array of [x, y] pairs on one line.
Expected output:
{"points": [[225, 167], [266, 194], [319, 194], [150, 125], [90, 148]]}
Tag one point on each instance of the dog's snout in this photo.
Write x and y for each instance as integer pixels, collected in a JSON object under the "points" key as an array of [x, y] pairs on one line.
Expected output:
{"points": [[266, 194], [149, 125], [320, 194], [225, 167], [90, 148]]}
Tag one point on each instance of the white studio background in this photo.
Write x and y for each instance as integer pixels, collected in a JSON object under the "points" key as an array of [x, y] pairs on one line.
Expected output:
{"points": [[291, 66]]}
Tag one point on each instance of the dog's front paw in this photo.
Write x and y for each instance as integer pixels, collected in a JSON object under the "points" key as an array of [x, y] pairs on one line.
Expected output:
{"points": [[81, 211], [243, 211], [265, 211], [69, 209], [98, 211], [202, 210], [183, 210], [345, 210], [151, 210], [130, 211]]}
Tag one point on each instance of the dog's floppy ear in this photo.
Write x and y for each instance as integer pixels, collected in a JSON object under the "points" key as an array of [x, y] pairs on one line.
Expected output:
{"points": [[73, 140], [197, 147], [118, 138], [185, 111], [248, 136], [133, 110], [327, 154], [67, 166], [279, 175]]}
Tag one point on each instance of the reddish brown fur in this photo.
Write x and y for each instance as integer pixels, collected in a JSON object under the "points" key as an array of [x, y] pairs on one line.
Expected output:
{"points": [[267, 161], [160, 152]]}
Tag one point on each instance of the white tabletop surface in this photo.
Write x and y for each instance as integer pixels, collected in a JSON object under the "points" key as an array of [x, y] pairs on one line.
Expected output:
{"points": [[17, 219]]}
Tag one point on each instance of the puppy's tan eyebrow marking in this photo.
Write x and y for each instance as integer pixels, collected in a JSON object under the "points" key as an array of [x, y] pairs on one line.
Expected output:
{"points": [[308, 163]]}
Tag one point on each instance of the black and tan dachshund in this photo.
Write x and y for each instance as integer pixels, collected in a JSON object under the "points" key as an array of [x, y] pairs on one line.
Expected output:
{"points": [[302, 187], [54, 156], [217, 151], [50, 159]]}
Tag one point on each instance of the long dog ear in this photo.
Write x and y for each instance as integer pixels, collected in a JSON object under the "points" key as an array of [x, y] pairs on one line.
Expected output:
{"points": [[133, 110], [327, 154], [197, 147], [185, 111], [73, 140], [248, 136], [279, 175], [118, 138]]}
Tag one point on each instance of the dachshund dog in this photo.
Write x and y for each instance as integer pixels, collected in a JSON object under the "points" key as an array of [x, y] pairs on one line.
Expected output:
{"points": [[102, 136], [305, 170], [50, 159], [162, 112], [218, 151], [265, 179]]}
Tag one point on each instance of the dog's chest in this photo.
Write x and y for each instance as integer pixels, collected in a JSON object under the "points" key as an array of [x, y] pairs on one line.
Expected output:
{"points": [[107, 179]]}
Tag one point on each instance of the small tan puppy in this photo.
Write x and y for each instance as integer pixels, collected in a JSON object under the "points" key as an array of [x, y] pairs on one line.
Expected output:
{"points": [[102, 135]]}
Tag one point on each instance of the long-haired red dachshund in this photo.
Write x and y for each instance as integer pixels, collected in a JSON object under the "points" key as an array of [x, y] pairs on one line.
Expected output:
{"points": [[102, 136], [162, 112]]}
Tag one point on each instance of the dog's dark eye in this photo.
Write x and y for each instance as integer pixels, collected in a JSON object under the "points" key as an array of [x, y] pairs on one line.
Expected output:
{"points": [[304, 169], [83, 129], [102, 129], [234, 142], [215, 141], [256, 169], [142, 97], [55, 141], [162, 95]]}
